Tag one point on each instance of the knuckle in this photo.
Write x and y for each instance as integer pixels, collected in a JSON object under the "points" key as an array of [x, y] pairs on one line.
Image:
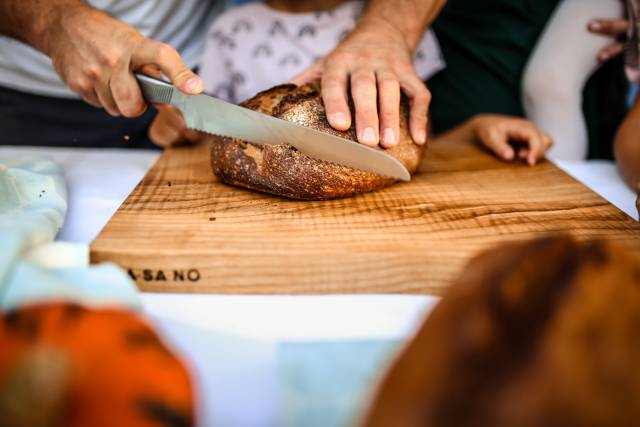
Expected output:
{"points": [[419, 121], [389, 117], [420, 98], [74, 86], [418, 109], [120, 92], [82, 86], [131, 109], [93, 72], [90, 101], [366, 116], [334, 101], [422, 92], [387, 77], [164, 51], [390, 85], [389, 108], [333, 75], [389, 120], [129, 104], [362, 79], [417, 87], [182, 75], [109, 60], [363, 85], [113, 112], [427, 95], [337, 58], [332, 84], [367, 56]]}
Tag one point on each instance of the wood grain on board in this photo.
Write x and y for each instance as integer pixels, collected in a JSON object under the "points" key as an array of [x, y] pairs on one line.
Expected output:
{"points": [[182, 231]]}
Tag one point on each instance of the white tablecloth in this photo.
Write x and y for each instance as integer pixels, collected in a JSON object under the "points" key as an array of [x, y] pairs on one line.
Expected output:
{"points": [[232, 341]]}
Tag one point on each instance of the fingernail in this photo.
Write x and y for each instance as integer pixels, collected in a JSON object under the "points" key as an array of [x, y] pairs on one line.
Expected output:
{"points": [[194, 84], [507, 154], [594, 25], [421, 137], [369, 136], [389, 137], [340, 120]]}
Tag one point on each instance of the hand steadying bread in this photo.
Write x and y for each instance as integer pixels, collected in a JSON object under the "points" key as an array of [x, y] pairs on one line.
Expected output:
{"points": [[281, 170], [284, 171]]}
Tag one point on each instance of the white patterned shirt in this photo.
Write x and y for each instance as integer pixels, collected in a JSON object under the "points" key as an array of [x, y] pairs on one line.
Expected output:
{"points": [[254, 47]]}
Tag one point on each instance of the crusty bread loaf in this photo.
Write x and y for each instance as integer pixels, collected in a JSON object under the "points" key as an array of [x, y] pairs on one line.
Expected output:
{"points": [[284, 171], [545, 333]]}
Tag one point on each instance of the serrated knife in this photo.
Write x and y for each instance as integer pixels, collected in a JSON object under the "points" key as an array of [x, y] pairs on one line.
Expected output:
{"points": [[208, 114]]}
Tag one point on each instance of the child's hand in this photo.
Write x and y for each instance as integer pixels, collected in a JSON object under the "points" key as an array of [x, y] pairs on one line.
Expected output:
{"points": [[511, 138], [169, 128], [614, 28]]}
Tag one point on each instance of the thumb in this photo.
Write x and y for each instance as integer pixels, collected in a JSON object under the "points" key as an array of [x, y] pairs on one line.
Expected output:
{"points": [[310, 74], [168, 60]]}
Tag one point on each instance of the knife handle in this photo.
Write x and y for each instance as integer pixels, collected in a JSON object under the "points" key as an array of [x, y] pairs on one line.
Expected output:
{"points": [[155, 90]]}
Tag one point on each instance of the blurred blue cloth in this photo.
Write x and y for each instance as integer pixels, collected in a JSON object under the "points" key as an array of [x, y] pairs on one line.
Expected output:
{"points": [[330, 383], [633, 92], [33, 269]]}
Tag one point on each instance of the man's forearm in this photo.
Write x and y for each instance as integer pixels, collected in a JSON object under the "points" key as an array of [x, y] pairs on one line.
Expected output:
{"points": [[28, 20], [94, 53], [409, 17]]}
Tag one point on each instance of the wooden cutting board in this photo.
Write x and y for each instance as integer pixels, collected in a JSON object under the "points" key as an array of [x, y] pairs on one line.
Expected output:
{"points": [[180, 230]]}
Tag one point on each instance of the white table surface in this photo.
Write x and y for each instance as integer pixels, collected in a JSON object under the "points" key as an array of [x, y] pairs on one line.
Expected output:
{"points": [[231, 341]]}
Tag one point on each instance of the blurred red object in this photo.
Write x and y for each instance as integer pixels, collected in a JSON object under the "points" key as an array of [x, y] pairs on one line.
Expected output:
{"points": [[66, 365]]}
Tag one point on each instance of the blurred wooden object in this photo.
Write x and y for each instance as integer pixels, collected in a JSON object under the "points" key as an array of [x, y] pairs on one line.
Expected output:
{"points": [[544, 333], [181, 230]]}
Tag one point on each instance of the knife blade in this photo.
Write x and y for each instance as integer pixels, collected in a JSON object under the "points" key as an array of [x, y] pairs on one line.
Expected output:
{"points": [[212, 115]]}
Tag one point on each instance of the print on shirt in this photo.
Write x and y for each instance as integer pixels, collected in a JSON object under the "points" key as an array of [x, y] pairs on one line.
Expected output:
{"points": [[252, 48]]}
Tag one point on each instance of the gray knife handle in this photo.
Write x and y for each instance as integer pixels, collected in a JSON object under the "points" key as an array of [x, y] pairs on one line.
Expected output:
{"points": [[155, 90]]}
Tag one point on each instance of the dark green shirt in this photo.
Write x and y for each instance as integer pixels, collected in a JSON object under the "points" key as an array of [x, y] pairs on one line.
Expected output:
{"points": [[486, 45]]}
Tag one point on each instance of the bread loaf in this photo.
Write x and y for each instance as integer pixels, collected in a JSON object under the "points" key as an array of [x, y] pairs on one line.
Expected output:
{"points": [[284, 171], [545, 333]]}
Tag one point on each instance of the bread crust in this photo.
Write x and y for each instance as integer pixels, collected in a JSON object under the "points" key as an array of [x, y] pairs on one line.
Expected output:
{"points": [[284, 171]]}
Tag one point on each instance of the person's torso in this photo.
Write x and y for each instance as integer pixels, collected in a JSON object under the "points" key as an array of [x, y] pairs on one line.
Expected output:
{"points": [[254, 47], [486, 45], [179, 23]]}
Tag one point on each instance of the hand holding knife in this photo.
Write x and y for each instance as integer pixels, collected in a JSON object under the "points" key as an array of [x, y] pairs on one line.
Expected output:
{"points": [[211, 115]]}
